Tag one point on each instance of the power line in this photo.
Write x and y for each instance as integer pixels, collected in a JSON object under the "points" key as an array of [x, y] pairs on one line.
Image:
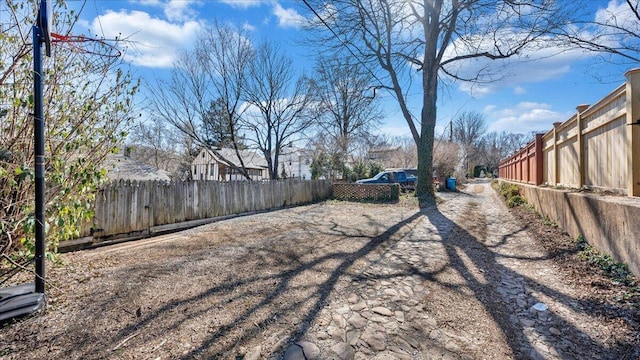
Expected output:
{"points": [[98, 17]]}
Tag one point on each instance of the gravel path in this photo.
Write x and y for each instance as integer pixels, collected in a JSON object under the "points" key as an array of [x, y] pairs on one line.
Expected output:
{"points": [[327, 281], [467, 282]]}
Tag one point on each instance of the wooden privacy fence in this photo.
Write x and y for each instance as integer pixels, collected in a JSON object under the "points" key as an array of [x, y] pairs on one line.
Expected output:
{"points": [[128, 208], [525, 165], [597, 148]]}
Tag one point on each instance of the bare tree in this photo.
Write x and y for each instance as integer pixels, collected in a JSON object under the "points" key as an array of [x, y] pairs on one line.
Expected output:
{"points": [[401, 150], [345, 100], [327, 161], [446, 158], [279, 110], [497, 146], [208, 78], [469, 129], [614, 32], [152, 135], [159, 145], [408, 153], [396, 38]]}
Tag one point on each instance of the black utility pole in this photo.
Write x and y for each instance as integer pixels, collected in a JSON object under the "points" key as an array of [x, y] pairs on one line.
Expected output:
{"points": [[451, 131]]}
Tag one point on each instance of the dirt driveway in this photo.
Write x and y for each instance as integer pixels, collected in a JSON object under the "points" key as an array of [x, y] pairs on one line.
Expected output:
{"points": [[334, 280]]}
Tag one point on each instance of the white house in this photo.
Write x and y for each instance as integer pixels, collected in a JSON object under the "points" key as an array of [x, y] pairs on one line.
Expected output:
{"points": [[209, 165], [296, 162]]}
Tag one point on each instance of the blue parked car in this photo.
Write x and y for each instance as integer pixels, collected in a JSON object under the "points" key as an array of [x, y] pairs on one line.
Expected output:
{"points": [[390, 177]]}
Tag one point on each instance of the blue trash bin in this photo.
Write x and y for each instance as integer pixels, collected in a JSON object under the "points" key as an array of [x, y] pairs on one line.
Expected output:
{"points": [[451, 183]]}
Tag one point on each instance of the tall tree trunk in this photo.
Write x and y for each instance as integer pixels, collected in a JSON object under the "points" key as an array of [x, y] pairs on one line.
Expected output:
{"points": [[430, 68], [424, 189]]}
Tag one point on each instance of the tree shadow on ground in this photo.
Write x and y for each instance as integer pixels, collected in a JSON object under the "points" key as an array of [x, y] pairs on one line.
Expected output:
{"points": [[269, 291], [322, 291], [270, 297], [457, 241]]}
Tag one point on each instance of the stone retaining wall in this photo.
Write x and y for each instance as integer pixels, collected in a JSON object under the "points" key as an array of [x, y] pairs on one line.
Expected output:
{"points": [[610, 223]]}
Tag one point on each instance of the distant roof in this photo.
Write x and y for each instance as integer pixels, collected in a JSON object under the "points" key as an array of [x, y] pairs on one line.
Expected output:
{"points": [[251, 159], [288, 150], [385, 149], [122, 167]]}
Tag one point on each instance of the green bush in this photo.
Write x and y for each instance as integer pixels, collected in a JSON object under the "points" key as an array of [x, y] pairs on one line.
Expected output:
{"points": [[375, 168], [515, 200], [360, 170], [509, 190], [511, 194]]}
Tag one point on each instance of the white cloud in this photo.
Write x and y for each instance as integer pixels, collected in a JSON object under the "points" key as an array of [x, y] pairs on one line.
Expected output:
{"points": [[242, 4], [519, 90], [174, 10], [618, 14], [542, 61], [533, 65], [287, 17], [524, 118], [149, 2], [476, 89], [153, 42], [82, 23], [248, 27], [489, 108], [179, 10]]}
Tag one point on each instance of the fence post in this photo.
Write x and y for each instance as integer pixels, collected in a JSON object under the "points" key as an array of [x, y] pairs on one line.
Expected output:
{"points": [[539, 167], [556, 168], [580, 109], [633, 133]]}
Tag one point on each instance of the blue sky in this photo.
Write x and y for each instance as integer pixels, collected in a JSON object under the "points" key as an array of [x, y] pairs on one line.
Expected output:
{"points": [[534, 95]]}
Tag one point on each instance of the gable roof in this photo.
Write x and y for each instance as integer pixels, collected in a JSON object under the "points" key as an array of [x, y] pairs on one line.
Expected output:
{"points": [[122, 167], [251, 159]]}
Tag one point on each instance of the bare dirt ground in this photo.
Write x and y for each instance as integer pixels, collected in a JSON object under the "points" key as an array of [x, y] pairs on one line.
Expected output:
{"points": [[248, 288]]}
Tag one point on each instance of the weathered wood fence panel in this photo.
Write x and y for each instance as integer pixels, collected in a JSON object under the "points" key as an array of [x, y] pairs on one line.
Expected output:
{"points": [[596, 148], [132, 207]]}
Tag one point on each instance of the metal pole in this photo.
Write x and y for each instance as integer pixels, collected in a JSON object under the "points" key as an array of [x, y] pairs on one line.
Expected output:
{"points": [[38, 132]]}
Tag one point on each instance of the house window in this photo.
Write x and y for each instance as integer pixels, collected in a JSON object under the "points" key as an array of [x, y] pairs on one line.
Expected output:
{"points": [[307, 161], [195, 170], [250, 172], [211, 168]]}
